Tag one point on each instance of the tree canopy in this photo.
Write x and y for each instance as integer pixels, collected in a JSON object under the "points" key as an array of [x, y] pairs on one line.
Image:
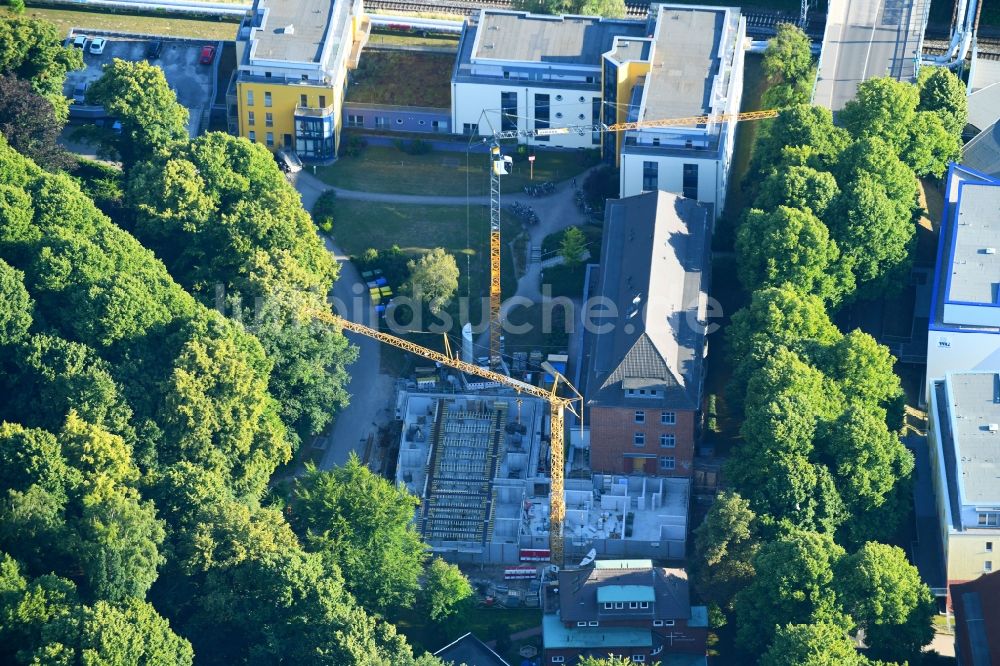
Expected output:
{"points": [[433, 279], [33, 51]]}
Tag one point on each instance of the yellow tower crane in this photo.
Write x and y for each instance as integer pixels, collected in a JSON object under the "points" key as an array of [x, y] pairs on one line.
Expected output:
{"points": [[557, 412], [499, 167]]}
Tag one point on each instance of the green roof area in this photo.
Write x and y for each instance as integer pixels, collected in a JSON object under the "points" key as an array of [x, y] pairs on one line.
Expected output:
{"points": [[620, 593], [404, 78], [555, 635], [623, 564]]}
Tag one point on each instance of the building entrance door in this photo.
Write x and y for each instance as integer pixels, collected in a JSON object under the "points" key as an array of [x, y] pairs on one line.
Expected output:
{"points": [[287, 140]]}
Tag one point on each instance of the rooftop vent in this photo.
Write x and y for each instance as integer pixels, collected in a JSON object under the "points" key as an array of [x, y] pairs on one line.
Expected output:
{"points": [[990, 250], [993, 427], [289, 29]]}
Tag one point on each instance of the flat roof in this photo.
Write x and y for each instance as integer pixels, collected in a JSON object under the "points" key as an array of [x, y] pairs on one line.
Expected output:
{"points": [[555, 635], [623, 564], [293, 30], [975, 407], [572, 40], [685, 61], [975, 265]]}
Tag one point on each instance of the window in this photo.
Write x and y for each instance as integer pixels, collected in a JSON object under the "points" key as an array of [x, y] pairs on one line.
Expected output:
{"points": [[303, 100], [668, 623], [639, 439], [593, 623], [399, 121], [988, 566], [582, 99], [558, 659], [668, 418], [638, 658], [305, 77], [436, 125], [421, 122], [581, 624], [381, 122], [468, 128], [643, 604], [322, 101], [650, 176], [633, 605], [989, 546], [268, 119], [558, 98], [250, 118], [541, 115], [595, 117], [355, 121], [640, 416], [252, 136], [667, 441], [657, 623], [641, 393], [619, 605], [667, 462], [656, 140], [267, 99], [249, 98], [690, 184], [508, 111], [270, 139], [989, 519], [267, 75]]}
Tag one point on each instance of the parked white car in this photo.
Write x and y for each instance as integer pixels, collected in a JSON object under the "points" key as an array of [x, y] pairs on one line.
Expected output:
{"points": [[79, 41], [97, 45]]}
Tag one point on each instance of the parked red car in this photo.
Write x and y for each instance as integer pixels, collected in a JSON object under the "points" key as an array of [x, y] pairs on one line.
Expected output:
{"points": [[207, 54]]}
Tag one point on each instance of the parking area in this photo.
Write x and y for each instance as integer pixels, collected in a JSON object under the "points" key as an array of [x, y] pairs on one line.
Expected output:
{"points": [[192, 81]]}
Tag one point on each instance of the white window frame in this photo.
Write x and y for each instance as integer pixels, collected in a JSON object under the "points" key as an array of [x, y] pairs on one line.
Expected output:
{"points": [[252, 135], [664, 466], [593, 623], [558, 659], [608, 605], [619, 605], [643, 604], [987, 566], [268, 102], [640, 416], [633, 605], [249, 98], [668, 623], [668, 418], [582, 623], [639, 439], [638, 658], [668, 441], [657, 623], [989, 546]]}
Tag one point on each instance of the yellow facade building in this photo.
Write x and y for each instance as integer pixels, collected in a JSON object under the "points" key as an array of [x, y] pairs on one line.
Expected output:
{"points": [[964, 441], [292, 62]]}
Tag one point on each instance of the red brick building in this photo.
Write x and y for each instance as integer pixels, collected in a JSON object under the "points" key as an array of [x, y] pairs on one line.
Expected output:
{"points": [[623, 607], [977, 621], [645, 370]]}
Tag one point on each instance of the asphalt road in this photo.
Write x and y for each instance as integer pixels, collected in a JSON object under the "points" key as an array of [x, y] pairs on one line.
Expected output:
{"points": [[865, 39]]}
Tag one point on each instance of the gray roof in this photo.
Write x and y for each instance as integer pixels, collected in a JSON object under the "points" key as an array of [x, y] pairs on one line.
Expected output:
{"points": [[983, 152], [524, 37], [685, 60], [309, 20], [976, 405], [578, 593], [975, 272], [653, 263], [470, 651], [625, 49], [984, 107]]}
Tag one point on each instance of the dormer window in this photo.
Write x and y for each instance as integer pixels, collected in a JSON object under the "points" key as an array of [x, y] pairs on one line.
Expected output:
{"points": [[608, 606], [643, 604], [633, 605]]}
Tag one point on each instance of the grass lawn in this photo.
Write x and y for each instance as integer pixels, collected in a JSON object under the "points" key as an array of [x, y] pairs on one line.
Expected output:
{"points": [[754, 85], [568, 280], [485, 623], [65, 19], [405, 78], [388, 169], [359, 225]]}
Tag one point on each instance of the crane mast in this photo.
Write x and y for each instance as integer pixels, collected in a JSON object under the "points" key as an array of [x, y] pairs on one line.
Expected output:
{"points": [[557, 413]]}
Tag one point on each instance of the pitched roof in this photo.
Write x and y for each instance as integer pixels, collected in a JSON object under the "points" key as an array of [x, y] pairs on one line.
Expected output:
{"points": [[583, 592], [470, 651], [653, 269], [977, 620], [983, 152]]}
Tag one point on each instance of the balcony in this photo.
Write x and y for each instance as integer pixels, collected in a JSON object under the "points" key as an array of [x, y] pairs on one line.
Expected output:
{"points": [[314, 112]]}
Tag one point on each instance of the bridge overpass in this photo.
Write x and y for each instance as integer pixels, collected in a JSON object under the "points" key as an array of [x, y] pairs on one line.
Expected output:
{"points": [[865, 39]]}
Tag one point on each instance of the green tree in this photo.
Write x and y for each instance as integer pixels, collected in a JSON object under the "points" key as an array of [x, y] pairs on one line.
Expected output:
{"points": [[792, 246], [776, 317], [944, 94], [29, 122], [864, 370], [802, 135], [788, 56], [33, 50], [725, 543], [138, 95], [433, 279], [883, 592], [365, 525], [572, 246], [607, 8], [931, 146], [445, 588], [883, 108], [609, 661], [798, 187], [819, 644], [15, 305], [793, 585]]}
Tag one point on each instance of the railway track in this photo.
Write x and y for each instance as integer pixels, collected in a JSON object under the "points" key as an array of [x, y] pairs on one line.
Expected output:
{"points": [[989, 49]]}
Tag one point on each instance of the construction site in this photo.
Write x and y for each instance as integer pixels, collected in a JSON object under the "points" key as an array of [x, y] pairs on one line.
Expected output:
{"points": [[480, 465]]}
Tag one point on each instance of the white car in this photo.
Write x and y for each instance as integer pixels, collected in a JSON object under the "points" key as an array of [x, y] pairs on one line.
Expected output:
{"points": [[97, 45], [79, 41]]}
